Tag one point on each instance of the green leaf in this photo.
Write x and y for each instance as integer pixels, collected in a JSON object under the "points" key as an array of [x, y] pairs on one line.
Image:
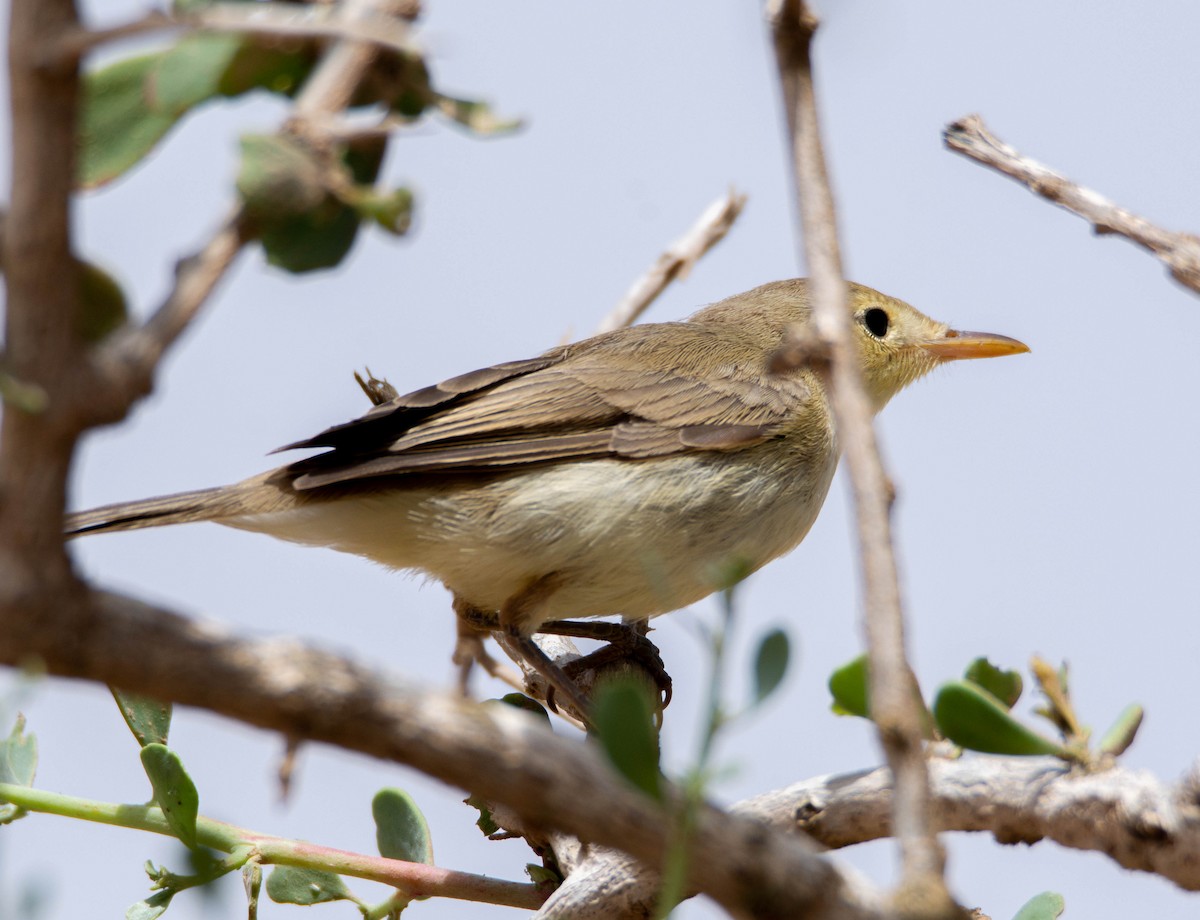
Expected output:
{"points": [[18, 756], [148, 719], [770, 664], [485, 822], [291, 885], [1046, 906], [624, 723], [152, 907], [392, 210], [174, 791], [1006, 686], [118, 127], [542, 876], [401, 831], [972, 718], [310, 242], [191, 71], [848, 685], [102, 304], [476, 116], [1117, 739], [279, 177], [527, 703]]}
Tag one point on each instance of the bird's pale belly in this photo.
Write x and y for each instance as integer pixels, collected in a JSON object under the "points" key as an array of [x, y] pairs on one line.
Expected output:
{"points": [[603, 537]]}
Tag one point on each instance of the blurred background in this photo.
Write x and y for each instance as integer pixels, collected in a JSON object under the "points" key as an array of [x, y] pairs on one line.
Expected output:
{"points": [[1047, 504]]}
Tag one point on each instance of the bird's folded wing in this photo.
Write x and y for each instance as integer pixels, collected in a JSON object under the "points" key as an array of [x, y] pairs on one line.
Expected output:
{"points": [[567, 404]]}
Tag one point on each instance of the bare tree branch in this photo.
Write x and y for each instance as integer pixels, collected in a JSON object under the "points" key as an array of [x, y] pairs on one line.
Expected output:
{"points": [[494, 751], [1131, 816], [275, 19], [894, 706], [1180, 251], [677, 261]]}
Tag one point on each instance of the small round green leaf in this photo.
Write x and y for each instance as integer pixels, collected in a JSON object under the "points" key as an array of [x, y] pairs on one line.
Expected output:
{"points": [[148, 719], [401, 831], [1117, 739], [102, 303], [174, 791], [974, 719], [292, 885], [770, 664], [624, 723], [848, 685], [1046, 906], [152, 907], [1006, 686]]}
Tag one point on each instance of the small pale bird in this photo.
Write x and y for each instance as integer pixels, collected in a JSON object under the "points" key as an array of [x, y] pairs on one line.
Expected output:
{"points": [[623, 474]]}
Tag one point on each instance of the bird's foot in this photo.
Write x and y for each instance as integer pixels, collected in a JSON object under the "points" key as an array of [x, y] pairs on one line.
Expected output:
{"points": [[628, 647]]}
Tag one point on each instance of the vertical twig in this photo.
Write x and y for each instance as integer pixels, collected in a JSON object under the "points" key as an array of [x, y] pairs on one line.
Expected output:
{"points": [[894, 706]]}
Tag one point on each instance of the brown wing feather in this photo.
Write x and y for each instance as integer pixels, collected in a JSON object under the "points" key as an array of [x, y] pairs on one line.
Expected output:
{"points": [[595, 399]]}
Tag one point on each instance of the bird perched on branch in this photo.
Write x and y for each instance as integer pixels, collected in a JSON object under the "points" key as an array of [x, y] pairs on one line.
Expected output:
{"points": [[623, 474]]}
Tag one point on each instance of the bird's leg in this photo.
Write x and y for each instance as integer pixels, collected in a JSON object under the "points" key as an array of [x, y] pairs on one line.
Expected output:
{"points": [[475, 625], [626, 642], [517, 621]]}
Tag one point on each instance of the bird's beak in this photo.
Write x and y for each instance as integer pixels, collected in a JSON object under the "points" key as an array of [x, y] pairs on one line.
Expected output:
{"points": [[953, 345]]}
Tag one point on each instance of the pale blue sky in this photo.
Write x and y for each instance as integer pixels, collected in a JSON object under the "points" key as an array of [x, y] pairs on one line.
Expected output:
{"points": [[1047, 503]]}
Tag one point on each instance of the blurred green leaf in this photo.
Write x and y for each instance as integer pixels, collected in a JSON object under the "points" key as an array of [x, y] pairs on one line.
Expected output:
{"points": [[291, 885], [974, 719], [392, 210], [148, 719], [191, 71], [18, 756], [26, 397], [401, 831], [848, 686], [770, 664], [476, 116], [102, 304], [1006, 686], [624, 723], [313, 241], [1120, 735], [279, 178], [529, 704], [540, 875], [152, 907], [117, 126], [1046, 906], [174, 791]]}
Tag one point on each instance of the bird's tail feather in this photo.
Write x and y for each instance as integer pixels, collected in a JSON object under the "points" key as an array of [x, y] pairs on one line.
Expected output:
{"points": [[181, 508]]}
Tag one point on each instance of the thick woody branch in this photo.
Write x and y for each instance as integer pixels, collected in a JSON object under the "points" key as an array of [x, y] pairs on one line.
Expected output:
{"points": [[493, 751], [677, 261], [1180, 251], [893, 704], [1132, 817]]}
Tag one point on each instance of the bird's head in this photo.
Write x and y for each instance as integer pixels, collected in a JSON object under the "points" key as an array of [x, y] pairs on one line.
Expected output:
{"points": [[898, 344]]}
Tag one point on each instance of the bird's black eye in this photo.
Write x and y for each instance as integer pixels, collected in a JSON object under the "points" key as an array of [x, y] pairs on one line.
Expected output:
{"points": [[876, 321]]}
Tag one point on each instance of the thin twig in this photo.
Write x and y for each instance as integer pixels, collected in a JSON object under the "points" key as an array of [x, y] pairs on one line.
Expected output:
{"points": [[677, 261], [1180, 251], [894, 707], [272, 20]]}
